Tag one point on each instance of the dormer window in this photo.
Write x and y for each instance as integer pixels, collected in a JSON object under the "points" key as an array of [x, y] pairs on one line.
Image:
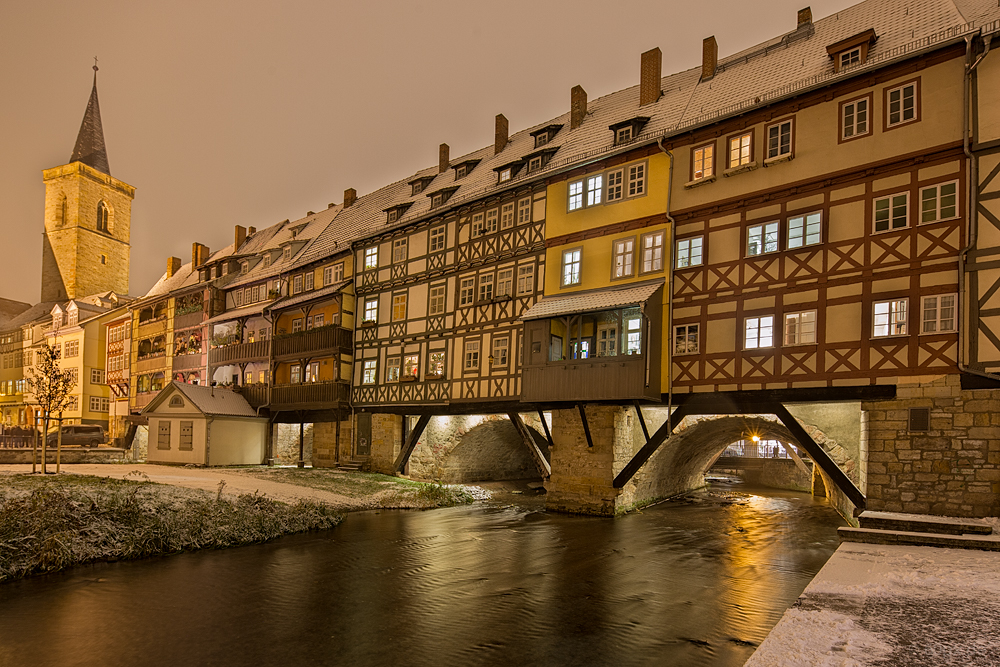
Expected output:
{"points": [[72, 316], [244, 267], [535, 163], [508, 171], [418, 185], [267, 260], [505, 174], [463, 169], [439, 197], [852, 51], [628, 130], [286, 253], [394, 213], [544, 135]]}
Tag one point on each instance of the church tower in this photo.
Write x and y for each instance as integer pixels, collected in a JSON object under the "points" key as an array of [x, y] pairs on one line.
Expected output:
{"points": [[85, 249]]}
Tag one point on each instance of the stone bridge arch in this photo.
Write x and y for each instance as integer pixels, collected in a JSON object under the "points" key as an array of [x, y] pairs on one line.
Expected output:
{"points": [[475, 448], [680, 464]]}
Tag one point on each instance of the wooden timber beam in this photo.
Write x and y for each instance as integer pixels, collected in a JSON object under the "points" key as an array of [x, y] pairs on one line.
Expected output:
{"points": [[632, 467], [819, 456], [642, 421], [586, 426], [411, 443], [545, 427], [536, 454]]}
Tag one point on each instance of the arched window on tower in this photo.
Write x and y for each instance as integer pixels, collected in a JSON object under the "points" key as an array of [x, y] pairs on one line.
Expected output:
{"points": [[103, 218]]}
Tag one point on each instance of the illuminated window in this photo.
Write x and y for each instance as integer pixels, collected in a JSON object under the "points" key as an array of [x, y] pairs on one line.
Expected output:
{"points": [[411, 366], [398, 307], [369, 369], [392, 366], [740, 150], [762, 239], [594, 187], [435, 365], [800, 328], [371, 257], [703, 162], [571, 267], [759, 332], [371, 310], [889, 318], [633, 334], [575, 195]]}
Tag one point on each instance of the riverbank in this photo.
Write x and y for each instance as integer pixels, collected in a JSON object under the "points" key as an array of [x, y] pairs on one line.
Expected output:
{"points": [[892, 605], [50, 523]]}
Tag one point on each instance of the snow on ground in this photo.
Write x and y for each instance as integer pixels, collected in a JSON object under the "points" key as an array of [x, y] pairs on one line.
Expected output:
{"points": [[891, 605]]}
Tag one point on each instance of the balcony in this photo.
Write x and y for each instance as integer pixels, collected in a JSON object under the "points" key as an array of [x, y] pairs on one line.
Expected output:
{"points": [[153, 362], [306, 343], [183, 362], [239, 353], [187, 320], [256, 394], [152, 327], [310, 395]]}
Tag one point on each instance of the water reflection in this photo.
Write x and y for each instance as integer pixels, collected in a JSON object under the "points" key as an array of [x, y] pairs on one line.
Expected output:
{"points": [[695, 582]]}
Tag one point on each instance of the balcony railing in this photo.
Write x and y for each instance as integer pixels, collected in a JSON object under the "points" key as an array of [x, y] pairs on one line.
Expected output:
{"points": [[240, 352], [256, 394], [314, 340], [309, 395], [186, 320], [183, 362]]}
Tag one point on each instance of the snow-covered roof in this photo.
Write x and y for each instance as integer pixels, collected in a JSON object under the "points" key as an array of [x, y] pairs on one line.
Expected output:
{"points": [[208, 400], [592, 301]]}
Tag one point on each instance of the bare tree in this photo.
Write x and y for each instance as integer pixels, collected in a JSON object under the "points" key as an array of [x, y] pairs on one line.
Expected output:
{"points": [[51, 386]]}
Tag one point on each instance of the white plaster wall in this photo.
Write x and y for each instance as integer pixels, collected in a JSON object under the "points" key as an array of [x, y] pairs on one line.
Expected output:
{"points": [[237, 441]]}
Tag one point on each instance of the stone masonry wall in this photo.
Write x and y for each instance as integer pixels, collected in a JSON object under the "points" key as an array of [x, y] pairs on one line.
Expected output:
{"points": [[286, 444], [387, 438], [325, 443], [951, 470]]}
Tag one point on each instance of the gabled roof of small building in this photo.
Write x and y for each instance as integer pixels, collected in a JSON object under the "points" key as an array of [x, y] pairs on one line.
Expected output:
{"points": [[208, 400]]}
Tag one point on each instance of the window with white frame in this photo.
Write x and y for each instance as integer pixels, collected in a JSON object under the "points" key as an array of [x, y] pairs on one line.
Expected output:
{"points": [[312, 372], [507, 215], [526, 279], [652, 252], [805, 230], [467, 292], [624, 253], [72, 348], [800, 328], [435, 364], [297, 284], [740, 149], [854, 119], [411, 367], [505, 282], [637, 179], [392, 368], [535, 163], [702, 162], [491, 221], [295, 374], [575, 195], [371, 258], [616, 185], [938, 313], [501, 350], [286, 253], [623, 135], [369, 371], [74, 403], [852, 57], [571, 267], [478, 229], [308, 280], [436, 301], [371, 310], [398, 307], [762, 239], [437, 199], [297, 324], [244, 267], [505, 175], [779, 139], [471, 355], [939, 202], [632, 322], [689, 252], [889, 318], [267, 260], [524, 210], [892, 212], [437, 239], [399, 250], [901, 104], [686, 339], [96, 376], [486, 287], [759, 332], [318, 320], [392, 215], [595, 185]]}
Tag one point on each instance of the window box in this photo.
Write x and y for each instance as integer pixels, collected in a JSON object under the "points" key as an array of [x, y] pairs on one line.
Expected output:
{"points": [[368, 323]]}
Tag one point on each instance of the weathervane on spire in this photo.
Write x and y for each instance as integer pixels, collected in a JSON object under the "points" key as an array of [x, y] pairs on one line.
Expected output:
{"points": [[95, 63]]}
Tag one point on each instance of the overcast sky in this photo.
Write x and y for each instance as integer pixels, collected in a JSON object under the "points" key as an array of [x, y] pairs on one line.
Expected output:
{"points": [[249, 113]]}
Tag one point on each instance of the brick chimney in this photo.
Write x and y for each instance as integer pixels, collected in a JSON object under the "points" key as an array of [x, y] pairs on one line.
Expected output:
{"points": [[173, 266], [502, 129], [350, 196], [443, 162], [199, 254], [805, 17], [709, 58], [650, 73], [251, 231], [577, 106], [239, 238]]}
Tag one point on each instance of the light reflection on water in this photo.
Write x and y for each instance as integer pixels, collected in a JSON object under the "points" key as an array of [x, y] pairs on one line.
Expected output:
{"points": [[694, 582]]}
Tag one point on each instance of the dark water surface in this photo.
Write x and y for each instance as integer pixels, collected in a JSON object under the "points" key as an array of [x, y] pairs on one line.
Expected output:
{"points": [[694, 582]]}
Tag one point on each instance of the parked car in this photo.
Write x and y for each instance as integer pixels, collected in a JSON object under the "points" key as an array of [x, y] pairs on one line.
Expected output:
{"points": [[78, 434]]}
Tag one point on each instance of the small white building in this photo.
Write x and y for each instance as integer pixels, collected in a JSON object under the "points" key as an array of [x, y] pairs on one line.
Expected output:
{"points": [[205, 426]]}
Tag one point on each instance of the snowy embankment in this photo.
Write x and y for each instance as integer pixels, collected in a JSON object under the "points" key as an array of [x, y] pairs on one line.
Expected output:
{"points": [[893, 605]]}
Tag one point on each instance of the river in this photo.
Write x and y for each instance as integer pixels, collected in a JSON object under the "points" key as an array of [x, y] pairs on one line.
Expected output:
{"points": [[698, 581]]}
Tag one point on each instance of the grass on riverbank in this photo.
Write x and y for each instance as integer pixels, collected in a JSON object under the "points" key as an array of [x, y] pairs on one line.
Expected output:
{"points": [[49, 524], [378, 490]]}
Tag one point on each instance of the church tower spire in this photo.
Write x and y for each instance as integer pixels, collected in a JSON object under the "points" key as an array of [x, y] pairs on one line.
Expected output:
{"points": [[90, 148], [85, 249]]}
